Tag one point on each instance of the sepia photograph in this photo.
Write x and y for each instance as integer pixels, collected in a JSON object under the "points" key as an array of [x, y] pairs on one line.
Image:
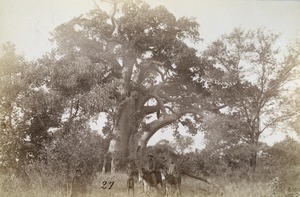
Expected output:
{"points": [[150, 98]]}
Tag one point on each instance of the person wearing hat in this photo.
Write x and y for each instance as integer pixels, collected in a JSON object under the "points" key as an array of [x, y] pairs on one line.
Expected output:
{"points": [[152, 167]]}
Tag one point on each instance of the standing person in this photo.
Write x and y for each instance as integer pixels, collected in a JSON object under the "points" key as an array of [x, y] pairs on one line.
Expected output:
{"points": [[174, 176], [152, 168], [173, 168], [130, 184]]}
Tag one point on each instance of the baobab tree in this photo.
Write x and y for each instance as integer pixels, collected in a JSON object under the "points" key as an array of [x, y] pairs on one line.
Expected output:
{"points": [[134, 65]]}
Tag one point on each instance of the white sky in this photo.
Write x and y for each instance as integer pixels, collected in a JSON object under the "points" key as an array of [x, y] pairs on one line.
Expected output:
{"points": [[27, 23]]}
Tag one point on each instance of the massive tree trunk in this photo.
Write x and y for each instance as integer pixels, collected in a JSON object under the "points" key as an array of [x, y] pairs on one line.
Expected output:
{"points": [[131, 136], [125, 142]]}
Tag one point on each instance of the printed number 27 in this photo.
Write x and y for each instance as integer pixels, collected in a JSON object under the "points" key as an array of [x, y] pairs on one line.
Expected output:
{"points": [[107, 185]]}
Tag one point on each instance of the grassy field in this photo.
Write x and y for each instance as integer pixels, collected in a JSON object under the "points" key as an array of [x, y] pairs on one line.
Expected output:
{"points": [[190, 188]]}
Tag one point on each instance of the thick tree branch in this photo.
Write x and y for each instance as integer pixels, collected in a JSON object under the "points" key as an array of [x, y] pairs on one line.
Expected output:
{"points": [[169, 108], [155, 125], [112, 17], [217, 108], [128, 64], [168, 119], [146, 110], [107, 58], [249, 119], [160, 103], [195, 177], [152, 66], [113, 20]]}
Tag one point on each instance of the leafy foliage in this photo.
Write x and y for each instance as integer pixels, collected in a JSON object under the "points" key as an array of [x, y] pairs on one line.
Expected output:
{"points": [[13, 84], [283, 161]]}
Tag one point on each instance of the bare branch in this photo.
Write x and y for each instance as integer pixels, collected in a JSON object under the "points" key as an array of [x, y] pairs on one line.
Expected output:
{"points": [[112, 17], [217, 108], [278, 119], [76, 109], [97, 6]]}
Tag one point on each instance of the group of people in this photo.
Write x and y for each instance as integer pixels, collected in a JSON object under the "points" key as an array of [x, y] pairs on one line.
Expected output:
{"points": [[153, 168], [172, 168], [164, 174]]}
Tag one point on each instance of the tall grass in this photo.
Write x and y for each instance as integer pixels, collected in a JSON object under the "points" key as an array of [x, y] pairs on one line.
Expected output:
{"points": [[190, 188]]}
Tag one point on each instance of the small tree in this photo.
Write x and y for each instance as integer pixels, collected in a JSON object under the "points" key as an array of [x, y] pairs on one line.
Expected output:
{"points": [[66, 155], [13, 85]]}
